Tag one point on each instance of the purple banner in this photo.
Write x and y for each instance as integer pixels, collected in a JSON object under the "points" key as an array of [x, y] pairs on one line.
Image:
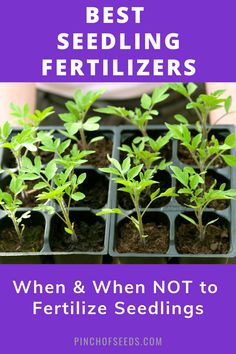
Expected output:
{"points": [[133, 309], [128, 41]]}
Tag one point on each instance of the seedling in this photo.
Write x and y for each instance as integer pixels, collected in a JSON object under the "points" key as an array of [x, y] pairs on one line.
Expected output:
{"points": [[76, 119], [133, 182], [18, 144], [74, 158], [205, 150], [147, 151], [199, 198], [140, 116], [203, 105], [27, 120], [59, 186], [10, 203]]}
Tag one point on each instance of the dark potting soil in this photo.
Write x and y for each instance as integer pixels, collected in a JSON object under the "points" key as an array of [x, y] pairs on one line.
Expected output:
{"points": [[125, 201], [90, 237], [102, 148], [33, 239], [218, 204], [99, 158], [96, 193], [128, 239], [217, 240]]}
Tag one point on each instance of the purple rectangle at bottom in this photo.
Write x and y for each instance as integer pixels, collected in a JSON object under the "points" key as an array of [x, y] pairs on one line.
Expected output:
{"points": [[117, 308]]}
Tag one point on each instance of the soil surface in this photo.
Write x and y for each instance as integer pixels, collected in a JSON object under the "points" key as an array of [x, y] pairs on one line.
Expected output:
{"points": [[128, 239], [125, 201], [99, 158], [217, 240], [103, 148], [218, 204], [90, 237], [33, 239]]}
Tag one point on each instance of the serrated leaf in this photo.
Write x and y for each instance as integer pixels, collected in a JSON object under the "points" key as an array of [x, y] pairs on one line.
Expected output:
{"points": [[230, 160], [50, 170], [180, 175], [134, 172], [191, 87], [146, 101], [63, 146], [126, 164]]}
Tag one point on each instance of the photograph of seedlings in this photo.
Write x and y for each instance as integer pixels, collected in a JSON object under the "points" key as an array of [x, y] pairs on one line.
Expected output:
{"points": [[134, 191]]}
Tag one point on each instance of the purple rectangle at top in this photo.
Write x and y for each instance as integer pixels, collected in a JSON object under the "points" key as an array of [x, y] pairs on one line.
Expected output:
{"points": [[29, 30]]}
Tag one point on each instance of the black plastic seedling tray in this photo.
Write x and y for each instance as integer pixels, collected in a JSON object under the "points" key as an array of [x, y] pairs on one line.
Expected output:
{"points": [[172, 209], [84, 213]]}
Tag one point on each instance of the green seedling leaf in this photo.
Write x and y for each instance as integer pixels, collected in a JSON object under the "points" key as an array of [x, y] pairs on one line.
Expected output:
{"points": [[228, 103], [134, 172], [211, 222], [50, 170], [146, 101], [180, 118], [97, 138], [81, 178], [126, 164], [46, 208], [109, 170], [40, 185], [68, 231], [155, 194], [109, 211], [191, 88], [78, 196], [159, 94], [192, 221], [230, 160]]}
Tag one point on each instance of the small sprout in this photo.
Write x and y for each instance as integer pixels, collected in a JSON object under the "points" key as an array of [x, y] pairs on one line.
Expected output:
{"points": [[18, 144], [75, 120], [193, 187], [133, 181], [140, 116], [10, 203], [27, 120], [148, 151]]}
